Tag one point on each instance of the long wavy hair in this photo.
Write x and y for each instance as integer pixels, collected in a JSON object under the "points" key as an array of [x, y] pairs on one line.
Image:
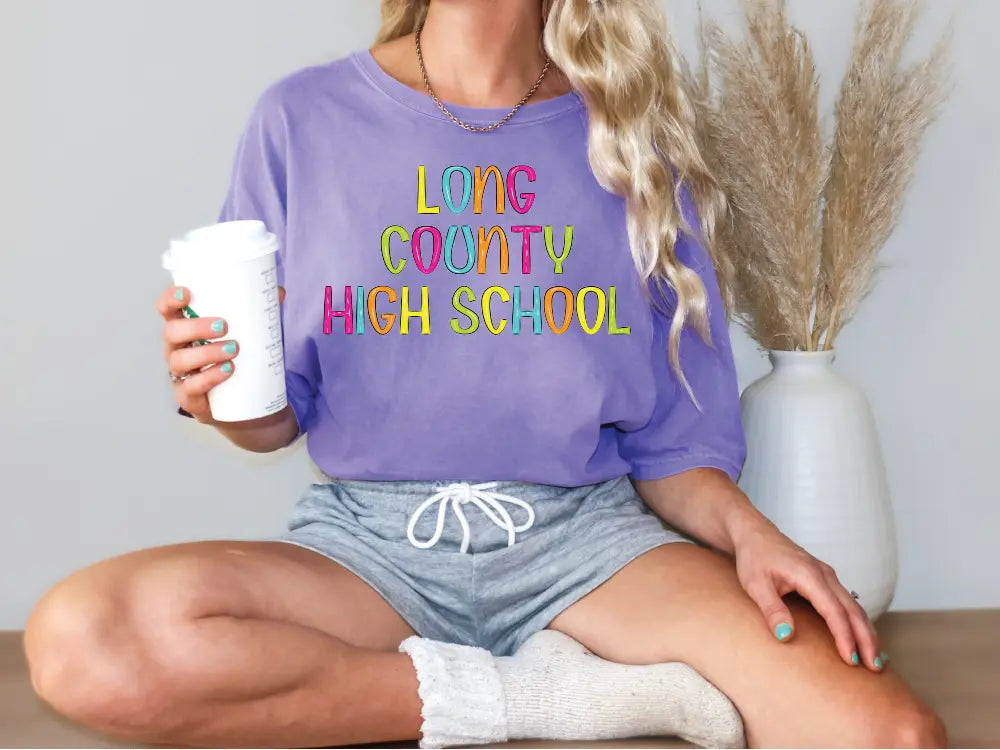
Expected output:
{"points": [[619, 57]]}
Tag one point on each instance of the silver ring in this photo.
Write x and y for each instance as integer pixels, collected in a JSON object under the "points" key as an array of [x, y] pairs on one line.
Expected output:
{"points": [[855, 594], [176, 378]]}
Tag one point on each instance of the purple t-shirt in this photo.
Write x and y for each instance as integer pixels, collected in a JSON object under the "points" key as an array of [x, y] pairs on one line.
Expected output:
{"points": [[464, 305]]}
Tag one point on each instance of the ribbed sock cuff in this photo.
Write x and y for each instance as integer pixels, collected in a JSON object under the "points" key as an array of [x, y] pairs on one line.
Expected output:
{"points": [[461, 692]]}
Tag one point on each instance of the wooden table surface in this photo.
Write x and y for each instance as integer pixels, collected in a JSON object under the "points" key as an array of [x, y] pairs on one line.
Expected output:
{"points": [[951, 658]]}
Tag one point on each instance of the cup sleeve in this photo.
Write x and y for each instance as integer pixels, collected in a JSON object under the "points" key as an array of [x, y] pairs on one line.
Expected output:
{"points": [[679, 434], [258, 190]]}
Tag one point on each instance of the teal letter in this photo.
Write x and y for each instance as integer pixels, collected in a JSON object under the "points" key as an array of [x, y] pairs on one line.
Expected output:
{"points": [[466, 188], [449, 242], [359, 310], [535, 313]]}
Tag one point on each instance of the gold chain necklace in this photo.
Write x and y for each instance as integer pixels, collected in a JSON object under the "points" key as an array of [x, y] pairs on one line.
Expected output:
{"points": [[474, 128]]}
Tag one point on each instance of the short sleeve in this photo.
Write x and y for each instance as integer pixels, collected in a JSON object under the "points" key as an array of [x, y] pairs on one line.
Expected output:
{"points": [[258, 190], [679, 436]]}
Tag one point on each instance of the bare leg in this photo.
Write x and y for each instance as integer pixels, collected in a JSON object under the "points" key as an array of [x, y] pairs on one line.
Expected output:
{"points": [[684, 603], [224, 644]]}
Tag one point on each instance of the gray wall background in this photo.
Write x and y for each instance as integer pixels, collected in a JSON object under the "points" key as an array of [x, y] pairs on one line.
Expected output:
{"points": [[120, 120]]}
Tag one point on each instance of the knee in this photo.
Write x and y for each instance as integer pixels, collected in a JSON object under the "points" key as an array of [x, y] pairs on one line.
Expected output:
{"points": [[88, 658], [85, 659], [912, 725], [74, 642]]}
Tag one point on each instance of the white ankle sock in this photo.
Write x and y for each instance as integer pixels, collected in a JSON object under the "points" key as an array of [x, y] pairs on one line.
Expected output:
{"points": [[461, 692], [553, 688]]}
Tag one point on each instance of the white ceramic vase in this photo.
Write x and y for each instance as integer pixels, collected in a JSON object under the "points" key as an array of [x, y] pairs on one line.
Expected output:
{"points": [[814, 467]]}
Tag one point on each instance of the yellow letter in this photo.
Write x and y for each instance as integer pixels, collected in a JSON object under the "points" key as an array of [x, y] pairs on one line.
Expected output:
{"points": [[424, 314], [488, 313], [581, 311], [422, 207]]}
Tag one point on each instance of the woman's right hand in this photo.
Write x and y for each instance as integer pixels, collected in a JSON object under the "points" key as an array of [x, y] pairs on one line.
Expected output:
{"points": [[216, 356]]}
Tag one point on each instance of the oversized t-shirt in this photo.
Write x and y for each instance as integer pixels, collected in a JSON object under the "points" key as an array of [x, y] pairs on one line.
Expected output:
{"points": [[464, 305]]}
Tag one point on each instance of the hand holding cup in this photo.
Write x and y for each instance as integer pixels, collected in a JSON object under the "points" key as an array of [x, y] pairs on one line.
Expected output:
{"points": [[196, 350], [227, 270]]}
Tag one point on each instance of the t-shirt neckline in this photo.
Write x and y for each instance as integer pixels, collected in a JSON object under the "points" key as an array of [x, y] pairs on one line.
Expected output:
{"points": [[423, 103]]}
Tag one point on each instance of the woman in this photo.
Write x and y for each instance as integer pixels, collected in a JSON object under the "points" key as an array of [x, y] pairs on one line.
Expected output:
{"points": [[496, 269]]}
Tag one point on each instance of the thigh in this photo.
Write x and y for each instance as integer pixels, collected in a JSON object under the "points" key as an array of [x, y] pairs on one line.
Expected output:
{"points": [[681, 602], [247, 579]]}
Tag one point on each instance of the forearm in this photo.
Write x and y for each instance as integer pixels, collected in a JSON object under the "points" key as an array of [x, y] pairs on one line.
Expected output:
{"points": [[262, 435], [706, 504]]}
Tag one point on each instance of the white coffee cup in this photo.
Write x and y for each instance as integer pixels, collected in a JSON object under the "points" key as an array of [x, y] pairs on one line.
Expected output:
{"points": [[229, 269]]}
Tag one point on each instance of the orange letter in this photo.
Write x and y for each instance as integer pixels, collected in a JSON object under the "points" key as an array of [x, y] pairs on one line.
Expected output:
{"points": [[388, 318], [550, 316], [485, 240], [480, 180]]}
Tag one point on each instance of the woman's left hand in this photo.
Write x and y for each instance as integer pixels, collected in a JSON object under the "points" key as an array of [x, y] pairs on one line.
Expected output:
{"points": [[706, 503], [770, 565]]}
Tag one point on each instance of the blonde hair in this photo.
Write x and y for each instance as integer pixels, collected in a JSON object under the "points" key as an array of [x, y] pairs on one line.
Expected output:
{"points": [[620, 59]]}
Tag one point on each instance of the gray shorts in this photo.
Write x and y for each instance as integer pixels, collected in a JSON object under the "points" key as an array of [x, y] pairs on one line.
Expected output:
{"points": [[406, 538]]}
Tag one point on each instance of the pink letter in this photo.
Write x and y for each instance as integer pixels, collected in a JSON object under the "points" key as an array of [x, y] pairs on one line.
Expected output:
{"points": [[525, 245], [418, 256], [528, 198], [329, 313]]}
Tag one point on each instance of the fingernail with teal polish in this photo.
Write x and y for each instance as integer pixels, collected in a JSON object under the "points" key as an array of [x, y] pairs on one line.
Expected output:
{"points": [[218, 325], [179, 294], [878, 662], [227, 367], [854, 657], [229, 347], [783, 631]]}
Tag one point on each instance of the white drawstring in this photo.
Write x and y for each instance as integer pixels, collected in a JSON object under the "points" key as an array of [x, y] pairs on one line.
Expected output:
{"points": [[460, 493]]}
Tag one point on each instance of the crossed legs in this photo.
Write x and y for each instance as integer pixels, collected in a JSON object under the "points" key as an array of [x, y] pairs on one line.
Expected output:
{"points": [[264, 643]]}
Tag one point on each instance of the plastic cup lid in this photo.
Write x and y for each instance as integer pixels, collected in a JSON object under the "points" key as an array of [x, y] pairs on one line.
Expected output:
{"points": [[220, 244]]}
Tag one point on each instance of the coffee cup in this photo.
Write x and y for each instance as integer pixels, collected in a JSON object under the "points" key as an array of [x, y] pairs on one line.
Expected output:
{"points": [[230, 271]]}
